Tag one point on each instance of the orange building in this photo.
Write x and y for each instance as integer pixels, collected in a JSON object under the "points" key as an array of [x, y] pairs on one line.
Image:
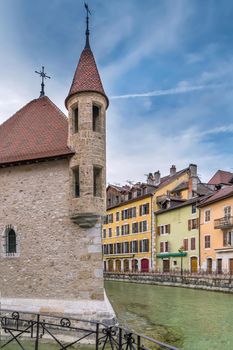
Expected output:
{"points": [[216, 231]]}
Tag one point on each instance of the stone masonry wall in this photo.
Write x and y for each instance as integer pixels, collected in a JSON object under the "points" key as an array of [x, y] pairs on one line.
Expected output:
{"points": [[56, 259], [214, 283]]}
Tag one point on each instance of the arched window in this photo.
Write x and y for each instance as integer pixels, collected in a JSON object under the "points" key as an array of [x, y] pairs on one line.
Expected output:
{"points": [[10, 241]]}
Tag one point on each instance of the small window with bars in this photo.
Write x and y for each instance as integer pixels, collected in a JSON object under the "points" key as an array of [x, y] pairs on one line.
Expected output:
{"points": [[10, 243]]}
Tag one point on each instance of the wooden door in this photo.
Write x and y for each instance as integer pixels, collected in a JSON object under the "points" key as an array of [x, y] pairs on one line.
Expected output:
{"points": [[126, 265], [134, 265], [231, 266], [194, 264], [166, 265], [118, 266], [145, 265], [219, 266], [209, 265]]}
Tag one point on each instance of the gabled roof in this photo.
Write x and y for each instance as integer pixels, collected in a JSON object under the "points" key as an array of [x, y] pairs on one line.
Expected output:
{"points": [[169, 178], [38, 130], [86, 77], [223, 193], [221, 177], [182, 186]]}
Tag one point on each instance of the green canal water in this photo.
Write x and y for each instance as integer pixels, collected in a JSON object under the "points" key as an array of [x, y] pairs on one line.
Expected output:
{"points": [[189, 319]]}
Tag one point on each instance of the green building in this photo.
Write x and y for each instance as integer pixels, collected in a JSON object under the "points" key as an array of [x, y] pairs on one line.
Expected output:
{"points": [[177, 236]]}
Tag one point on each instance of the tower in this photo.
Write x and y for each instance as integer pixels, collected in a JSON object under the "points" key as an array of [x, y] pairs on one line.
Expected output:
{"points": [[87, 104]]}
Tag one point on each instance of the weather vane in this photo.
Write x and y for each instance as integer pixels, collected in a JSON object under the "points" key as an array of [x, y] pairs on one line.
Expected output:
{"points": [[43, 77], [87, 29]]}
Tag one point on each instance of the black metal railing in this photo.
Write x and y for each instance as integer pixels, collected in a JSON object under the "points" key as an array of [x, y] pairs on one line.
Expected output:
{"points": [[18, 326], [225, 222]]}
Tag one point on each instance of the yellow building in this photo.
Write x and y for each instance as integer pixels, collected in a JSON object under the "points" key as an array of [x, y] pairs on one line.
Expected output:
{"points": [[128, 229], [128, 234]]}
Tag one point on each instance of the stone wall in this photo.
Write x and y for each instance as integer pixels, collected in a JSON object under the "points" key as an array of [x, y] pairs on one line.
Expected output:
{"points": [[56, 259], [215, 283]]}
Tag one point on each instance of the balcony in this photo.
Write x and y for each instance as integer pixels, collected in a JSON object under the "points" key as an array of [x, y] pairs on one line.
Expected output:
{"points": [[224, 223]]}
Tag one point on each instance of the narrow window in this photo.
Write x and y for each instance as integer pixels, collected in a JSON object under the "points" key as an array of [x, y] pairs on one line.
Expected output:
{"points": [[11, 242], [97, 182], [75, 119], [76, 182], [96, 118]]}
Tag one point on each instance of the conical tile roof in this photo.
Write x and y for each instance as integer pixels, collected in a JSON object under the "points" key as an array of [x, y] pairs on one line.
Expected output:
{"points": [[86, 77]]}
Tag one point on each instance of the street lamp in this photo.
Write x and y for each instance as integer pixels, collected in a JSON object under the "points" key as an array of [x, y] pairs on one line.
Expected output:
{"points": [[181, 250]]}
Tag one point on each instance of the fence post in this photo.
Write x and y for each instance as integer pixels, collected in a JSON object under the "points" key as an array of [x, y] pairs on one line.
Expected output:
{"points": [[97, 337], [120, 338], [37, 331]]}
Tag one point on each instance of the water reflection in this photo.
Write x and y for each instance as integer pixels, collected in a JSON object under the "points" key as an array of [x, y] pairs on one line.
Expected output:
{"points": [[189, 319]]}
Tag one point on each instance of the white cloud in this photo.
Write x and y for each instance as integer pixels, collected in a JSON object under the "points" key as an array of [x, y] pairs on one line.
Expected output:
{"points": [[180, 89]]}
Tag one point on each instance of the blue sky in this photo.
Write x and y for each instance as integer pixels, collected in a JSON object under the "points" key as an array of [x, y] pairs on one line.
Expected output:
{"points": [[166, 65]]}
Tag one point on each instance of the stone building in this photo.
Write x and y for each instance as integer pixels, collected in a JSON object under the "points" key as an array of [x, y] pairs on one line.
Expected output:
{"points": [[52, 190]]}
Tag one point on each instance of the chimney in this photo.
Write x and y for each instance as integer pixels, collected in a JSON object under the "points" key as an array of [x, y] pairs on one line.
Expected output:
{"points": [[172, 170], [157, 178], [193, 180], [193, 170], [150, 179]]}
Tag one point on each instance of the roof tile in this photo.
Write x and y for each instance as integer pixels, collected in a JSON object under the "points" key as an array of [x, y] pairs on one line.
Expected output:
{"points": [[86, 77], [38, 130]]}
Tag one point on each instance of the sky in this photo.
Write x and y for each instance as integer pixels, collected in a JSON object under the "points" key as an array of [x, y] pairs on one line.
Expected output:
{"points": [[166, 66]]}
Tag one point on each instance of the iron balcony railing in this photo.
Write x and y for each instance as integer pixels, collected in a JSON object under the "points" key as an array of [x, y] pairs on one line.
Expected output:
{"points": [[225, 222], [18, 326]]}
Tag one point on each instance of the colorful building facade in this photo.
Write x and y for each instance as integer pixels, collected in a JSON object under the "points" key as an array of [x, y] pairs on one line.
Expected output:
{"points": [[128, 231], [177, 237], [216, 231]]}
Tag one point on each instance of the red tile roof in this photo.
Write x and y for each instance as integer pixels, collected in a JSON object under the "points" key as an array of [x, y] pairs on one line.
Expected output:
{"points": [[38, 130], [219, 195], [221, 177], [86, 77]]}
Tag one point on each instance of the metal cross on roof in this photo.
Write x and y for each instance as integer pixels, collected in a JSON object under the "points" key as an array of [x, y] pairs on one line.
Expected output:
{"points": [[87, 29], [43, 77]]}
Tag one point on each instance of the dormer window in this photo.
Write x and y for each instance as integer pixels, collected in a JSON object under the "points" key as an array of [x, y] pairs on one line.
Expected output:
{"points": [[75, 119], [96, 118]]}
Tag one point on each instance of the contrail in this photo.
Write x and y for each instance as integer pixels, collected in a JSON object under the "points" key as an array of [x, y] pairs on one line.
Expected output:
{"points": [[173, 91]]}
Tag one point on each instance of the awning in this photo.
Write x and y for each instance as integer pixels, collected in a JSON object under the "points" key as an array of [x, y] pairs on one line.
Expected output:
{"points": [[171, 255]]}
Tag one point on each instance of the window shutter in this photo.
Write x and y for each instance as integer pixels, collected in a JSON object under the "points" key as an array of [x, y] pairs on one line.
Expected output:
{"points": [[166, 246], [197, 220], [189, 225], [140, 246], [158, 230], [225, 239], [161, 247], [168, 228]]}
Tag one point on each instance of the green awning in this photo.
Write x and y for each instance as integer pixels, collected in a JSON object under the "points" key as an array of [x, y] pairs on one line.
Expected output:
{"points": [[169, 255]]}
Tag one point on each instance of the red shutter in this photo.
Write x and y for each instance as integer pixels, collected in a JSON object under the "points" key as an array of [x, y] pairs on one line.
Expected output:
{"points": [[189, 225]]}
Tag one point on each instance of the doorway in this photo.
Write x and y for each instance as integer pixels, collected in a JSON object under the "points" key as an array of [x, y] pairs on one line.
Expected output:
{"points": [[166, 265], [209, 265], [231, 266], [193, 264]]}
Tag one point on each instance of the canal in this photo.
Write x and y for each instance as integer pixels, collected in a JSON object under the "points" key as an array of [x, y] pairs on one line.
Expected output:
{"points": [[187, 318]]}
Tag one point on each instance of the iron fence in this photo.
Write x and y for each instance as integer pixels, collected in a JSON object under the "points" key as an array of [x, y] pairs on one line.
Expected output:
{"points": [[66, 332]]}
